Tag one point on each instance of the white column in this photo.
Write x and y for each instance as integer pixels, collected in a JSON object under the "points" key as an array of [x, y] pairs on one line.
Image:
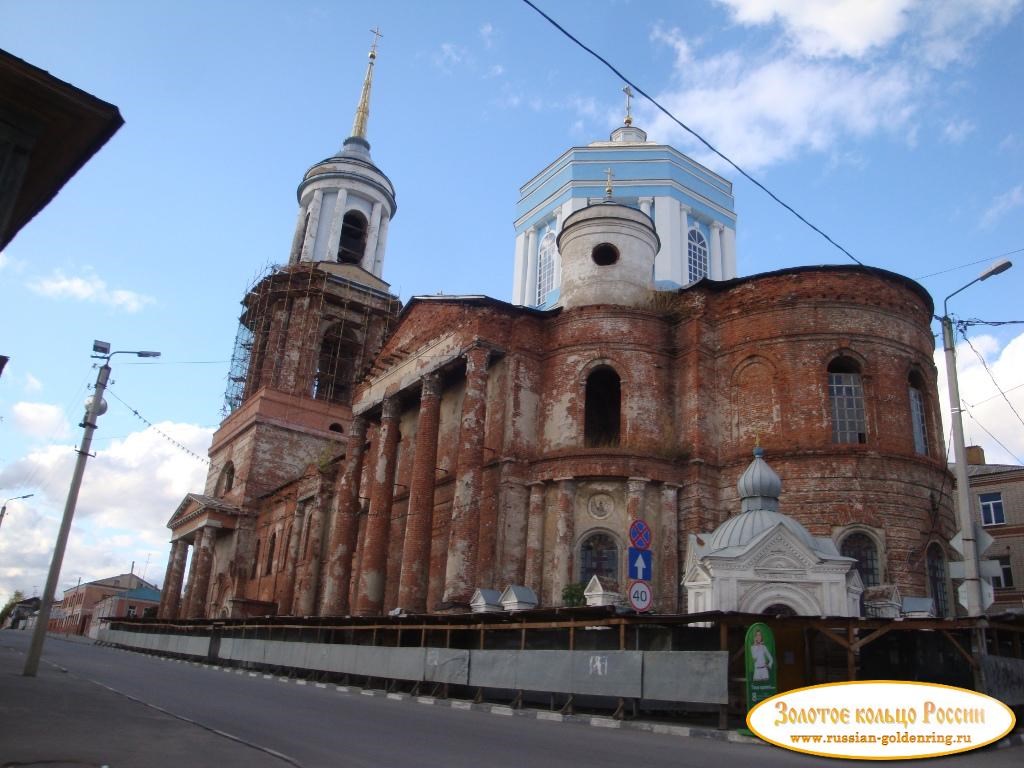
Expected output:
{"points": [[372, 233], [645, 205], [668, 264], [314, 220], [297, 239], [531, 267], [728, 253], [337, 219], [519, 275], [382, 240], [715, 265]]}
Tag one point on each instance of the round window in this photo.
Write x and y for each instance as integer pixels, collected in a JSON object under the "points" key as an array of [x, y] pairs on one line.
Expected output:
{"points": [[604, 254]]}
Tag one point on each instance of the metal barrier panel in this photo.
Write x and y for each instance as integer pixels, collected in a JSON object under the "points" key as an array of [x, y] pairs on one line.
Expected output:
{"points": [[1004, 678], [610, 673], [493, 669], [396, 663], [443, 665], [696, 676], [549, 671], [194, 646]]}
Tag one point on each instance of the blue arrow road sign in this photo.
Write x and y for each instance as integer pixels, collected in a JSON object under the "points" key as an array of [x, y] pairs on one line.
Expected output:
{"points": [[640, 564]]}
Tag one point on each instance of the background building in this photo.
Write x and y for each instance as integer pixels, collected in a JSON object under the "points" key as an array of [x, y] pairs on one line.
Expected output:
{"points": [[76, 609], [997, 493]]}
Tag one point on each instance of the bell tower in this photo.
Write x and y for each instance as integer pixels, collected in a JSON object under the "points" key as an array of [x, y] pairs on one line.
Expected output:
{"points": [[309, 328]]}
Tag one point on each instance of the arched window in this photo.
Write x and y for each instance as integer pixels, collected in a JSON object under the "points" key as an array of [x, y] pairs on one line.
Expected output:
{"points": [[697, 252], [601, 412], [778, 609], [352, 245], [546, 256], [336, 363], [270, 554], [255, 561], [916, 389], [226, 481], [846, 394], [599, 556], [862, 548], [937, 578]]}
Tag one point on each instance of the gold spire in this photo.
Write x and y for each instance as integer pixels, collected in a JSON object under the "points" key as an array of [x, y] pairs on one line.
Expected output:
{"points": [[608, 184], [629, 95], [363, 110]]}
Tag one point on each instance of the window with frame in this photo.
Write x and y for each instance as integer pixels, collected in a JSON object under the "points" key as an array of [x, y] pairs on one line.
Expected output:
{"points": [[862, 548], [936, 567], [917, 418], [547, 252], [846, 394], [991, 508], [697, 255], [599, 556], [131, 612], [1005, 578]]}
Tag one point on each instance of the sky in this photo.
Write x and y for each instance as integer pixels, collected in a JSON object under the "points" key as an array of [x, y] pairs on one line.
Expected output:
{"points": [[895, 126]]}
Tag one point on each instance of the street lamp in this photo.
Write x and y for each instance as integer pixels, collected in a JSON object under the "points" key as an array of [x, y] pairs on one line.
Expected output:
{"points": [[95, 407], [972, 579], [3, 509]]}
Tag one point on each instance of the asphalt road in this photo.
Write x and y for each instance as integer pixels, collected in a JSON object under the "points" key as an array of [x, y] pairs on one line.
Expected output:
{"points": [[311, 726]]}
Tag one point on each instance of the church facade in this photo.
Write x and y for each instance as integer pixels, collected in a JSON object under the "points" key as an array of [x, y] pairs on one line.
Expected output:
{"points": [[377, 460]]}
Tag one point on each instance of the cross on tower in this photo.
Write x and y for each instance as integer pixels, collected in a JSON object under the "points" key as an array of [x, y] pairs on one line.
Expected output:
{"points": [[608, 184], [376, 36], [629, 95]]}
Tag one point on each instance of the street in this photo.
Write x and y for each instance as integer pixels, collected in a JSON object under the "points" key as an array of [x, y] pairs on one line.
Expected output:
{"points": [[265, 721]]}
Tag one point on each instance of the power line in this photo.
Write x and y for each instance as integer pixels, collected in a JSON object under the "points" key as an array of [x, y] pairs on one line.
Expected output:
{"points": [[689, 130], [970, 264], [985, 430], [160, 432], [991, 376]]}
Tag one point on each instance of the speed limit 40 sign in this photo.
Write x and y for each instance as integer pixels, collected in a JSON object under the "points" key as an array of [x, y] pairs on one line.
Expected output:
{"points": [[640, 595]]}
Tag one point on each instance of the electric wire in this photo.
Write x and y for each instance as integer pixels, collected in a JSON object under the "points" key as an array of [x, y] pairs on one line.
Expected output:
{"points": [[990, 374], [691, 131], [970, 264], [159, 431]]}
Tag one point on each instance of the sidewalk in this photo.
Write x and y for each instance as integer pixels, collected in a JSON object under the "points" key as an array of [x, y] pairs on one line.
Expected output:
{"points": [[56, 719]]}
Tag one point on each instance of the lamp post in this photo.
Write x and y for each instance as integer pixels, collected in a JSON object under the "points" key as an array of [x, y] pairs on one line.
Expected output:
{"points": [[95, 407], [972, 580], [3, 509]]}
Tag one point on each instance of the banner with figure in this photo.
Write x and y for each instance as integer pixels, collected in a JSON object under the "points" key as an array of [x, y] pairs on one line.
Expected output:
{"points": [[759, 650]]}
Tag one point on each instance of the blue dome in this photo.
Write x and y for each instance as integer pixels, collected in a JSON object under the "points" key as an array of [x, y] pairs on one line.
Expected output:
{"points": [[740, 530]]}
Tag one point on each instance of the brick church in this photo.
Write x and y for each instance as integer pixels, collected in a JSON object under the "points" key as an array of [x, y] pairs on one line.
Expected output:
{"points": [[379, 458]]}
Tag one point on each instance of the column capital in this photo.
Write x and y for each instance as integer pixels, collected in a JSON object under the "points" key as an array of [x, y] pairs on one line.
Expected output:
{"points": [[477, 355], [390, 408], [717, 226], [637, 484], [431, 385]]}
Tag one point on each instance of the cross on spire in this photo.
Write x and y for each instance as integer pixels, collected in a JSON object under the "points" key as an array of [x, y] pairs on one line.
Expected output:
{"points": [[376, 36], [608, 183], [629, 96]]}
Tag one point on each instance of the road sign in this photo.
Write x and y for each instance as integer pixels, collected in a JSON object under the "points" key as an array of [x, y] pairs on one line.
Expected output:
{"points": [[988, 595], [640, 534], [982, 539], [640, 595], [639, 563]]}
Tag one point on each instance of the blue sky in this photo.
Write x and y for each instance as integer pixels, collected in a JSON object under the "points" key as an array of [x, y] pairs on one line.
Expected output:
{"points": [[894, 125]]}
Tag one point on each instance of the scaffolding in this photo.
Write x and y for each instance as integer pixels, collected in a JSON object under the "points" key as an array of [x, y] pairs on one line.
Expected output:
{"points": [[306, 331]]}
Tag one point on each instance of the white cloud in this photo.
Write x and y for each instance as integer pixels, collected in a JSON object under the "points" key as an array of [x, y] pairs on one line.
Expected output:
{"points": [[1003, 204], [41, 421], [944, 31], [449, 56], [1011, 143], [826, 28], [487, 34], [955, 131], [32, 384], [89, 287], [987, 411], [129, 492], [495, 70], [764, 112]]}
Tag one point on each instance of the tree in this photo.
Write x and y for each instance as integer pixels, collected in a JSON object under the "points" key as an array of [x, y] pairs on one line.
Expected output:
{"points": [[16, 598], [572, 595]]}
